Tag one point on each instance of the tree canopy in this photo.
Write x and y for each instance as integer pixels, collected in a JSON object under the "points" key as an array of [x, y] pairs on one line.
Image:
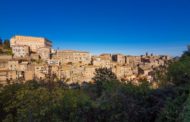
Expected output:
{"points": [[6, 44]]}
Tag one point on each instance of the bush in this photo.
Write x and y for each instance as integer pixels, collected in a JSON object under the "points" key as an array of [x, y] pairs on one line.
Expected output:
{"points": [[103, 76], [185, 114], [179, 72]]}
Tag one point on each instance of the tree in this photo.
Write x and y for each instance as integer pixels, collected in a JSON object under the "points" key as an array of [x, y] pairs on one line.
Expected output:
{"points": [[6, 44], [160, 75], [75, 106], [1, 51], [174, 104], [29, 102], [179, 72], [1, 42], [186, 53], [185, 114], [7, 98], [188, 47], [103, 76]]}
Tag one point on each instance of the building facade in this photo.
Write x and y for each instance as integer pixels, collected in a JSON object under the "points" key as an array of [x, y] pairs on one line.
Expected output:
{"points": [[119, 58], [72, 56], [20, 51], [44, 53], [33, 42]]}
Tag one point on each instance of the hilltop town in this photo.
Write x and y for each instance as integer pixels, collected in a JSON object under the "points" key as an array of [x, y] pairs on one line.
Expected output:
{"points": [[33, 58]]}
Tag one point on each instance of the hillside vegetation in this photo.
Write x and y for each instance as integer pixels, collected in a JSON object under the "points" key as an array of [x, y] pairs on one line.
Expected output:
{"points": [[5, 47]]}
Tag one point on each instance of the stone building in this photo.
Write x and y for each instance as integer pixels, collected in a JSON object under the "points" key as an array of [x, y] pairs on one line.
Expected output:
{"points": [[65, 72], [77, 75], [12, 75], [28, 75], [101, 62], [122, 71], [35, 56], [20, 51], [53, 62], [5, 57], [14, 69], [44, 53], [3, 77], [3, 65], [89, 72], [55, 70], [3, 70], [33, 42], [119, 58], [72, 56], [13, 65], [23, 66], [133, 60], [145, 70], [106, 56], [41, 71]]}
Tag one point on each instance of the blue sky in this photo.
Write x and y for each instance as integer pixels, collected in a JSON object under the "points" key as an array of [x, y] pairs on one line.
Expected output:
{"points": [[131, 27]]}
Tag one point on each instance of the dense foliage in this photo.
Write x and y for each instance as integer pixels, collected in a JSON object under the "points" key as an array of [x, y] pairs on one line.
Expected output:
{"points": [[185, 114], [6, 44], [107, 100], [5, 47]]}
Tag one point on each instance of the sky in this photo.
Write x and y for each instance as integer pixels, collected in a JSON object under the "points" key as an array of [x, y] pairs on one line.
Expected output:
{"points": [[131, 27]]}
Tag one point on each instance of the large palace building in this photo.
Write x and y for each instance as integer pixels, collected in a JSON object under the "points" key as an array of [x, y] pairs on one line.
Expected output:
{"points": [[34, 43]]}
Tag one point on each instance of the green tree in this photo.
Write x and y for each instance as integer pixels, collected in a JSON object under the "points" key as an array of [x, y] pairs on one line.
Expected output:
{"points": [[174, 105], [7, 97], [1, 42], [76, 106], [179, 72], [102, 76], [185, 114], [1, 51], [186, 53], [6, 44]]}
